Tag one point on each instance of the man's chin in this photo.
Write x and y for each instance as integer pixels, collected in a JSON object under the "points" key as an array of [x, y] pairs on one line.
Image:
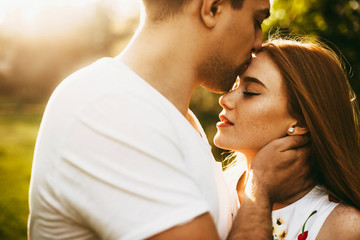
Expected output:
{"points": [[213, 89], [243, 68], [220, 88]]}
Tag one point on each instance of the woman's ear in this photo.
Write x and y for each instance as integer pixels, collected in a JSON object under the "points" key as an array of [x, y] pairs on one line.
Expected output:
{"points": [[210, 10], [297, 130]]}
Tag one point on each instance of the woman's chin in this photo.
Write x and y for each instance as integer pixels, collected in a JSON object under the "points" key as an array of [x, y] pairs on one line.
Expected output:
{"points": [[218, 142]]}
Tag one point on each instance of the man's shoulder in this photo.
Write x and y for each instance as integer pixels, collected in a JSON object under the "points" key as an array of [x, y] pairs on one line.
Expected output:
{"points": [[103, 71], [107, 83]]}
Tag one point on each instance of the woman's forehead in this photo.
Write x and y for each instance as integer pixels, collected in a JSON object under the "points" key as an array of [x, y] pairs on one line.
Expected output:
{"points": [[265, 70]]}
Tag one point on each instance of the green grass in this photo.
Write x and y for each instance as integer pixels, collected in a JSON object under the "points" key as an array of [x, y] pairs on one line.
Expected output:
{"points": [[18, 134]]}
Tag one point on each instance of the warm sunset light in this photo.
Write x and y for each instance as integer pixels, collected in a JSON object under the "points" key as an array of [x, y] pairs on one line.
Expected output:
{"points": [[42, 41], [38, 18]]}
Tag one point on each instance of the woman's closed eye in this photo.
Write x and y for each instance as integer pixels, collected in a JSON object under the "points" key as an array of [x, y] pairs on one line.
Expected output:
{"points": [[252, 86], [248, 93]]}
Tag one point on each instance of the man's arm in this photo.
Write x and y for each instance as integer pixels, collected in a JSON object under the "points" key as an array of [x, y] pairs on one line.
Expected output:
{"points": [[202, 227], [253, 220], [279, 171]]}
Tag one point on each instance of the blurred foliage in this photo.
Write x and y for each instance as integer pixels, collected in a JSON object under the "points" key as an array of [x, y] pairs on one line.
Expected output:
{"points": [[334, 22], [18, 133]]}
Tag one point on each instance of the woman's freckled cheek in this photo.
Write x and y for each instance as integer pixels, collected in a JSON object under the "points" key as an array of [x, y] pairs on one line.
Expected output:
{"points": [[258, 118], [249, 119]]}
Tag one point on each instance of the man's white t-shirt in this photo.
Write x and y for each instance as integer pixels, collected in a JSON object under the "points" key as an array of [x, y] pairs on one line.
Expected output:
{"points": [[114, 159]]}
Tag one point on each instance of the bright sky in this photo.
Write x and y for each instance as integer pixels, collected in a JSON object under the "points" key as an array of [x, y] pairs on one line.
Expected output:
{"points": [[31, 15], [31, 7]]}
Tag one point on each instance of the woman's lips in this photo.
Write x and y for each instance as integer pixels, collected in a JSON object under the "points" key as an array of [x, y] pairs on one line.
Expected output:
{"points": [[224, 122]]}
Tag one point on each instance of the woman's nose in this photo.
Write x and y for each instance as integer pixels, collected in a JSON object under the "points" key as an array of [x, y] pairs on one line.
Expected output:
{"points": [[226, 101]]}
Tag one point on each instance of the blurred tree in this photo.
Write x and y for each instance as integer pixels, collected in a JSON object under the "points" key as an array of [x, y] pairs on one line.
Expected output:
{"points": [[334, 22]]}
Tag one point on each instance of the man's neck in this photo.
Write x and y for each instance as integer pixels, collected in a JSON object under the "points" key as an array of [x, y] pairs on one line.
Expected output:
{"points": [[165, 62]]}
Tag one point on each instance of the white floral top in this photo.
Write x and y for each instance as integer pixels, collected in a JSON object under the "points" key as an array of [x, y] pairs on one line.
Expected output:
{"points": [[303, 219]]}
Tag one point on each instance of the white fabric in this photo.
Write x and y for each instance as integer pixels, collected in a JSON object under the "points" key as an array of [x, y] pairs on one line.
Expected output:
{"points": [[114, 159], [293, 217]]}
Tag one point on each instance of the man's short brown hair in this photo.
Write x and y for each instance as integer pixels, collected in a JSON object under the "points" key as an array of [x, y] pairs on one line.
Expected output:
{"points": [[162, 9]]}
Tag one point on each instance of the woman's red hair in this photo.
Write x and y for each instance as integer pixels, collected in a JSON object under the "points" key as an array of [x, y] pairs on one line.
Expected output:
{"points": [[321, 98]]}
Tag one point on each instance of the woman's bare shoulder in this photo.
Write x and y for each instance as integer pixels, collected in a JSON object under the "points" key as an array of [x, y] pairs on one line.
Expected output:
{"points": [[342, 223]]}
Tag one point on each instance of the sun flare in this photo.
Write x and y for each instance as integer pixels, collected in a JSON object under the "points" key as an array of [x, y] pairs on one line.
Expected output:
{"points": [[39, 18]]}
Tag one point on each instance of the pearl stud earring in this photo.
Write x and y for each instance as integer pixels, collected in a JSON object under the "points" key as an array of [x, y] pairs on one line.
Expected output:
{"points": [[291, 130]]}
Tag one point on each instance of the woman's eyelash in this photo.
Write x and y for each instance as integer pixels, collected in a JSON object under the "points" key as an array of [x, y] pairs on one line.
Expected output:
{"points": [[250, 93]]}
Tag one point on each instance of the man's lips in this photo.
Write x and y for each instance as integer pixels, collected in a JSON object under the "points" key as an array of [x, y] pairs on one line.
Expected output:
{"points": [[224, 122]]}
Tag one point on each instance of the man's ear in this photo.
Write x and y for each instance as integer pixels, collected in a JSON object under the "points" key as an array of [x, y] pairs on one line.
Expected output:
{"points": [[210, 10]]}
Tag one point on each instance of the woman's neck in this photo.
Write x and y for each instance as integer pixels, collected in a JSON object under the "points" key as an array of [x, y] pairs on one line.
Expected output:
{"points": [[249, 157], [292, 199]]}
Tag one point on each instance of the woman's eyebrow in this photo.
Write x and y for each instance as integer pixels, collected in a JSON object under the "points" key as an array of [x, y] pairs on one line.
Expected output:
{"points": [[253, 80]]}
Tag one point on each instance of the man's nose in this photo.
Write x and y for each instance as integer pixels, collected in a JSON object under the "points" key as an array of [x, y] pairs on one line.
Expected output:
{"points": [[258, 40]]}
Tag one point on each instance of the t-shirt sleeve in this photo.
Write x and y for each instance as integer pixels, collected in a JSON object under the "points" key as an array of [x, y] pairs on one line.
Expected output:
{"points": [[122, 171]]}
